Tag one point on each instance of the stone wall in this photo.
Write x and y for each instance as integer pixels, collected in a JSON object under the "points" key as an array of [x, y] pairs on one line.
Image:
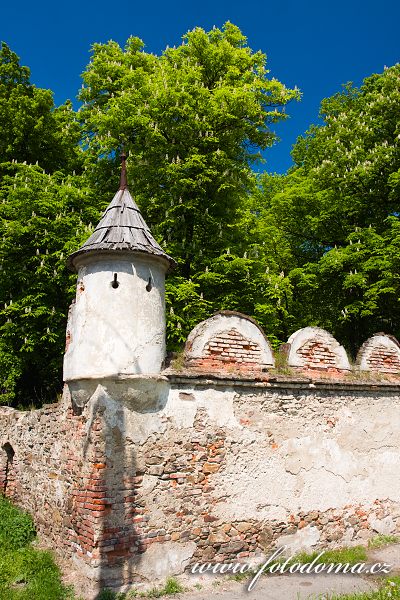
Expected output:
{"points": [[135, 477], [41, 460], [152, 474]]}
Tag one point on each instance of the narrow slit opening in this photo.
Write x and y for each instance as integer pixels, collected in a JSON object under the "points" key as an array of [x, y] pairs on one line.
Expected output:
{"points": [[115, 282]]}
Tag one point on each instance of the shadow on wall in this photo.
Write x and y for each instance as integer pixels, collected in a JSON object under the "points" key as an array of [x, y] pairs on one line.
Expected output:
{"points": [[110, 517], [102, 512]]}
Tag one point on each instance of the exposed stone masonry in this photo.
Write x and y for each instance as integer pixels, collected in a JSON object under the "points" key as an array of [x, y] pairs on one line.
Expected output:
{"points": [[136, 478], [222, 470], [8, 479]]}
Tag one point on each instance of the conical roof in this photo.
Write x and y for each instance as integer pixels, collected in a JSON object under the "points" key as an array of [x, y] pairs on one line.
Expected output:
{"points": [[122, 228]]}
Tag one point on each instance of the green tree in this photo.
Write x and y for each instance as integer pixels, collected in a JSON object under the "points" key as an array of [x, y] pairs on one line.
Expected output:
{"points": [[32, 128], [338, 209], [42, 217], [44, 211], [193, 120]]}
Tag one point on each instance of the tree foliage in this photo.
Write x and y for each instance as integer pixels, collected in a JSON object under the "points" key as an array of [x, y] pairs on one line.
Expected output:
{"points": [[339, 212], [32, 128], [45, 206], [42, 218]]}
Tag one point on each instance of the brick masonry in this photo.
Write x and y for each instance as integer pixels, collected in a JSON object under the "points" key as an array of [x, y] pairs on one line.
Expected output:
{"points": [[314, 348], [135, 479], [314, 354], [229, 351], [228, 342], [384, 359], [380, 354]]}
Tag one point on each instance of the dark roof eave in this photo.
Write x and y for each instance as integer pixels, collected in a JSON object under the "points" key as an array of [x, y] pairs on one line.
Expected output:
{"points": [[170, 262]]}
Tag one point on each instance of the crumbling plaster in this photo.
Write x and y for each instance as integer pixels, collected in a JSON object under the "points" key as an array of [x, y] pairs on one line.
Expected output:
{"points": [[207, 468], [380, 353], [324, 341]]}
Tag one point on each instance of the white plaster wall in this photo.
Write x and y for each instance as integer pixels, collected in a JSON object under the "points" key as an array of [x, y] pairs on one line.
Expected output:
{"points": [[312, 458], [116, 331], [182, 407], [286, 450], [287, 453]]}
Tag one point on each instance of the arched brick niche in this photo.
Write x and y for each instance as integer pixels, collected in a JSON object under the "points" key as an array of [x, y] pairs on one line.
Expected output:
{"points": [[315, 348], [229, 342], [7, 470], [380, 353]]}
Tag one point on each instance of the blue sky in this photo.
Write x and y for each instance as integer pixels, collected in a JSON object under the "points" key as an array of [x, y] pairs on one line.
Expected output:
{"points": [[317, 46]]}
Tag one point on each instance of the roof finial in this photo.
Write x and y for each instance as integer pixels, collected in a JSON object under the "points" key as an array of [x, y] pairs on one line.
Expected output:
{"points": [[123, 182]]}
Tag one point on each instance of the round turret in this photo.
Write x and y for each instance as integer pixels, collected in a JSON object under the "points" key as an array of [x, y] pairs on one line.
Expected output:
{"points": [[117, 324]]}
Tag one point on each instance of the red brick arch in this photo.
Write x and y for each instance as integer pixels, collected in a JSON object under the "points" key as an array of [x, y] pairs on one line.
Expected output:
{"points": [[228, 342]]}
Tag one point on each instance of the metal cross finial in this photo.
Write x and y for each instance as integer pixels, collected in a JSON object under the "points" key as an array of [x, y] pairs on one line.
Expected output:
{"points": [[123, 182]]}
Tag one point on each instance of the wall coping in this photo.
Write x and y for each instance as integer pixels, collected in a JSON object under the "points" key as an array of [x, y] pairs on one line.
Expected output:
{"points": [[278, 382], [188, 378]]}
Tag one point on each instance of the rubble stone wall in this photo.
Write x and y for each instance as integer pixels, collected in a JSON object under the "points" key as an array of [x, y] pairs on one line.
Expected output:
{"points": [[149, 476]]}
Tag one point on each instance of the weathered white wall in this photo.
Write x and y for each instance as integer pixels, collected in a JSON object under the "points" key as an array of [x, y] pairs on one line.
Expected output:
{"points": [[170, 470], [305, 447], [116, 331], [301, 449], [256, 466]]}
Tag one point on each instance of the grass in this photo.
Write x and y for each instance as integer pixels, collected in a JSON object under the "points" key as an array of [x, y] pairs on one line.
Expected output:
{"points": [[281, 364], [17, 528], [26, 573], [178, 361], [389, 589], [107, 594], [351, 555], [382, 540], [170, 588]]}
